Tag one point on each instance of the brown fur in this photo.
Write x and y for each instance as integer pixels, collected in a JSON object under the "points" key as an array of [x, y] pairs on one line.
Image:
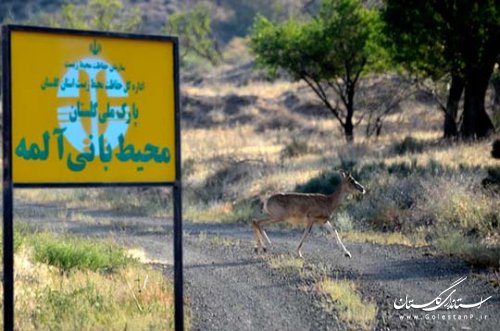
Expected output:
{"points": [[302, 208]]}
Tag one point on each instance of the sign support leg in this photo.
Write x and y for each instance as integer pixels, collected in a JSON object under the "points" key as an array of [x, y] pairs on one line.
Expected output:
{"points": [[8, 254], [8, 188], [178, 277]]}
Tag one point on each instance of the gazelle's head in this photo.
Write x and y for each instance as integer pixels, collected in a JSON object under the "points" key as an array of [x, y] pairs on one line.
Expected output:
{"points": [[350, 183]]}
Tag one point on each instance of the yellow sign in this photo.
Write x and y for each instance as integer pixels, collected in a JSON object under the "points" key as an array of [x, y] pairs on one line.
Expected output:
{"points": [[92, 108]]}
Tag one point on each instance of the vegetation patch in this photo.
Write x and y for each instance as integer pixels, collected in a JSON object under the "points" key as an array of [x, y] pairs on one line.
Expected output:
{"points": [[381, 238], [325, 183], [473, 251], [285, 262], [295, 148], [133, 298], [70, 253], [66, 283], [351, 308], [409, 145], [224, 241]]}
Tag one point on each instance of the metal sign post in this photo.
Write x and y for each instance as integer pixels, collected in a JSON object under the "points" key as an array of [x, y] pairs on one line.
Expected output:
{"points": [[89, 109]]}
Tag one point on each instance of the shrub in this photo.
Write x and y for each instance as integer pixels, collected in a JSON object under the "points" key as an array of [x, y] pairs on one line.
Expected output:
{"points": [[326, 183], [294, 149], [456, 205], [471, 250], [391, 203], [343, 221], [409, 145], [231, 180], [188, 167]]}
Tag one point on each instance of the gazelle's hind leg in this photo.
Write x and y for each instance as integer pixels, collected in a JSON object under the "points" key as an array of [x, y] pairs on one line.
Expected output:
{"points": [[258, 236], [260, 233], [330, 228], [307, 231]]}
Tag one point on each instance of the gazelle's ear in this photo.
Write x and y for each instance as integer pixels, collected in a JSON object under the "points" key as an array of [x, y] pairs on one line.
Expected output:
{"points": [[342, 173]]}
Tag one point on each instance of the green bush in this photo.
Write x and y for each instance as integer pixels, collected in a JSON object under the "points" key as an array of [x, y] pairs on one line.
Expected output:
{"points": [[294, 149], [326, 183], [81, 254], [409, 145]]}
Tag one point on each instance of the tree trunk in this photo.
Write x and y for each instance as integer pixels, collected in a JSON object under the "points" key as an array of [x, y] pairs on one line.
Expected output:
{"points": [[348, 126], [450, 118], [349, 131], [476, 122], [495, 81]]}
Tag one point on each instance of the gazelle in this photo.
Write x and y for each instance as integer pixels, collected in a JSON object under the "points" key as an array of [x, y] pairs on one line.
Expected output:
{"points": [[304, 208]]}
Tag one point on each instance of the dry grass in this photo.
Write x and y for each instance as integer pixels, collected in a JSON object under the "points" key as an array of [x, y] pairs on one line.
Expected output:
{"points": [[224, 241], [409, 192], [351, 308], [394, 238], [285, 263], [474, 251], [266, 90]]}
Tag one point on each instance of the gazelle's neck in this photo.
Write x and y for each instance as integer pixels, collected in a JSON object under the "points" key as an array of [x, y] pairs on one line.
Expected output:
{"points": [[338, 196]]}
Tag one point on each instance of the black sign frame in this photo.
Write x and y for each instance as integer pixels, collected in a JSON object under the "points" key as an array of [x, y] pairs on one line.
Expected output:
{"points": [[9, 185]]}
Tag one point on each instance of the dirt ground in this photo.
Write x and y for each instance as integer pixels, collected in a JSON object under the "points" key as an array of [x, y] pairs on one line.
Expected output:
{"points": [[229, 287]]}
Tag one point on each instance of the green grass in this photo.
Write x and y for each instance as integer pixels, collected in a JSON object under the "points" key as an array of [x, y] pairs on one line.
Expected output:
{"points": [[69, 253], [20, 236]]}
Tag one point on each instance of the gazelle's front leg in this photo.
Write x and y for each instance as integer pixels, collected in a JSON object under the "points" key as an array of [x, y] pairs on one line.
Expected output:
{"points": [[333, 231]]}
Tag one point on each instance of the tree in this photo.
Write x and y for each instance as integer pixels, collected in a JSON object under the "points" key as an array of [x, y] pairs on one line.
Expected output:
{"points": [[105, 15], [329, 52], [455, 37], [195, 32]]}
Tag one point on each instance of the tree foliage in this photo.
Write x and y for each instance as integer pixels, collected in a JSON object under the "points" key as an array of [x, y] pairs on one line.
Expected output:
{"points": [[329, 52], [195, 32], [105, 15], [460, 38]]}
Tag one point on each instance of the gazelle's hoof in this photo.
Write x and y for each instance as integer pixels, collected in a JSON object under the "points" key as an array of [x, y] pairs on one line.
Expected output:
{"points": [[256, 250], [347, 254], [264, 249]]}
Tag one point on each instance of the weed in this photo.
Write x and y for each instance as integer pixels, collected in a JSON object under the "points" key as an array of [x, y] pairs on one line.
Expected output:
{"points": [[348, 303], [469, 249], [395, 238], [285, 262], [69, 254], [224, 241], [188, 167], [294, 149], [409, 145]]}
